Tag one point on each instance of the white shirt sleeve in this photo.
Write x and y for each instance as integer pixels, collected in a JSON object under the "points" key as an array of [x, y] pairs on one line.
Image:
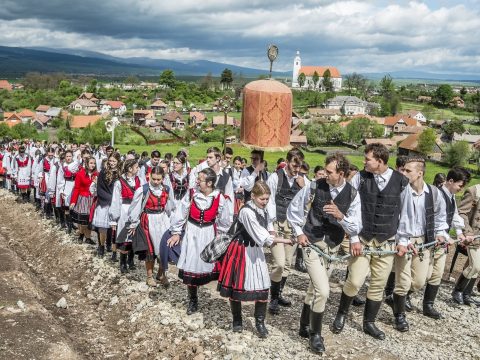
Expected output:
{"points": [[272, 183], [296, 211], [258, 233], [116, 205]]}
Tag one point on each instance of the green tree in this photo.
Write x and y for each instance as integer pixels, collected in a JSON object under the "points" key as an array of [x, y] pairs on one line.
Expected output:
{"points": [[167, 78], [301, 79], [453, 126], [132, 79], [4, 130], [315, 79], [387, 85], [92, 86], [457, 153], [444, 94], [463, 92], [327, 81], [427, 141], [226, 78]]}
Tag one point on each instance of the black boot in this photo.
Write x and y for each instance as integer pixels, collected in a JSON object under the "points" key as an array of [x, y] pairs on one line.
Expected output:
{"points": [[281, 300], [273, 307], [123, 263], [192, 300], [68, 219], [89, 241], [401, 323], [460, 287], [316, 339], [114, 257], [304, 321], [339, 322], [108, 243], [369, 316], [236, 307], [101, 251], [80, 238], [467, 294], [299, 263], [56, 214], [61, 215], [390, 286], [131, 260], [260, 312], [408, 302], [358, 301], [428, 301]]}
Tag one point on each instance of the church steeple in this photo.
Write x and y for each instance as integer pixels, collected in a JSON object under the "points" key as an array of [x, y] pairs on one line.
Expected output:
{"points": [[297, 64]]}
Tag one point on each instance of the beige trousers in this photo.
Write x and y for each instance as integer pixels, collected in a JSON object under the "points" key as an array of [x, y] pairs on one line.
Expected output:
{"points": [[473, 269], [379, 267], [437, 266], [282, 253], [411, 271], [319, 287]]}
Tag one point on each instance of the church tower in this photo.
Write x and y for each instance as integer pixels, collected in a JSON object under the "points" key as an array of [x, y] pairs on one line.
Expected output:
{"points": [[297, 64]]}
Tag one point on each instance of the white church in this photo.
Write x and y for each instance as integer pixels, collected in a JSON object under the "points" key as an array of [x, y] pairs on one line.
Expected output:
{"points": [[336, 78]]}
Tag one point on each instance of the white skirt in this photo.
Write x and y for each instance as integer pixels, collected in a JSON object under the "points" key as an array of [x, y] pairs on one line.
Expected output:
{"points": [[193, 243], [101, 219]]}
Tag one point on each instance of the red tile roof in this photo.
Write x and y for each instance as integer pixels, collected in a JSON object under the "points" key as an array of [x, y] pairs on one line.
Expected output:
{"points": [[309, 70], [114, 104], [42, 108], [5, 85], [392, 120], [41, 119], [25, 113], [82, 121]]}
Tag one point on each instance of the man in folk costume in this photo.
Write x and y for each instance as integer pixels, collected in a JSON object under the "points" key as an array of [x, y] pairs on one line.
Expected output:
{"points": [[7, 164], [422, 221], [469, 210], [284, 184], [253, 173], [67, 171], [224, 182], [101, 155], [145, 170], [46, 166], [335, 211], [382, 193], [22, 171]]}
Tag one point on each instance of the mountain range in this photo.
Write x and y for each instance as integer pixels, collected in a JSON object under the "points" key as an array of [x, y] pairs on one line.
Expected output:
{"points": [[16, 61]]}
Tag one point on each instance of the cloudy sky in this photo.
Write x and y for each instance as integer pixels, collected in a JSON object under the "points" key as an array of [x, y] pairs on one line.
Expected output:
{"points": [[362, 36]]}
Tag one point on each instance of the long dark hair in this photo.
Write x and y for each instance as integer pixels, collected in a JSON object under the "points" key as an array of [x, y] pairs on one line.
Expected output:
{"points": [[113, 174]]}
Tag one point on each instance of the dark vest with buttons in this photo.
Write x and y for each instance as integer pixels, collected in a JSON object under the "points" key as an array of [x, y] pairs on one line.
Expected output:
{"points": [[262, 176], [241, 234], [380, 209], [285, 194], [319, 225], [429, 216], [222, 181], [450, 208]]}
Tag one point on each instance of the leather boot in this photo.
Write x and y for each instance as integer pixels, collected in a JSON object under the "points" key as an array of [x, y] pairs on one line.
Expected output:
{"points": [[304, 321], [401, 323], [299, 263], [80, 238], [467, 294], [369, 316], [428, 301], [358, 301], [460, 287], [408, 302], [123, 263], [316, 339], [273, 307], [342, 312], [61, 215], [56, 212], [108, 242], [69, 223], [89, 241], [162, 277], [192, 300], [114, 257], [236, 307], [101, 251], [281, 300], [131, 260], [260, 312]]}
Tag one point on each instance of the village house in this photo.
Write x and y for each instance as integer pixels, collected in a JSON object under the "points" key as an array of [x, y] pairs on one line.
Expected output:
{"points": [[12, 119], [42, 109], [173, 120], [389, 143], [457, 101], [424, 99], [309, 71], [5, 85], [417, 115], [53, 112], [40, 121], [348, 105], [325, 115], [144, 117], [466, 136], [111, 107], [219, 120], [297, 136], [409, 146], [159, 107], [82, 121], [83, 106], [397, 124], [26, 115], [196, 118], [88, 96]]}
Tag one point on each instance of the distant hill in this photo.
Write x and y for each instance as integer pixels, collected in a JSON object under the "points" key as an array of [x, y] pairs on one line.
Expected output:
{"points": [[15, 62], [423, 75]]}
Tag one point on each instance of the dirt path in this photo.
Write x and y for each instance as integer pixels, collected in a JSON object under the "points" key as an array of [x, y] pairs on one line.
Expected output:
{"points": [[119, 317]]}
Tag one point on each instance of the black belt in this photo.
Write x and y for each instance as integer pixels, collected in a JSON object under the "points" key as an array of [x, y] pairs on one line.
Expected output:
{"points": [[126, 201], [151, 211], [70, 179], [200, 223]]}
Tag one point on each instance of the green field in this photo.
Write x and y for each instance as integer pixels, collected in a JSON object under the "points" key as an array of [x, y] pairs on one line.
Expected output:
{"points": [[438, 114], [198, 151]]}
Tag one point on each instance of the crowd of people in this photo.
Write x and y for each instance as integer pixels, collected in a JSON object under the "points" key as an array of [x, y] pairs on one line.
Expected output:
{"points": [[385, 223]]}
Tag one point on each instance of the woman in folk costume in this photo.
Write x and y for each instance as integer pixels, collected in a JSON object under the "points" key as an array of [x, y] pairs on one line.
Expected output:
{"points": [[81, 200], [123, 192], [46, 170], [67, 171], [102, 189], [53, 191], [244, 275], [150, 209], [7, 164], [36, 170], [178, 179], [207, 214], [22, 171]]}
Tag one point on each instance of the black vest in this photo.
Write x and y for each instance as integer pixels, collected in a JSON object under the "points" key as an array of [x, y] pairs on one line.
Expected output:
{"points": [[450, 207], [320, 225], [262, 176], [222, 181], [180, 187], [104, 191], [285, 194], [242, 235], [380, 209], [429, 216]]}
